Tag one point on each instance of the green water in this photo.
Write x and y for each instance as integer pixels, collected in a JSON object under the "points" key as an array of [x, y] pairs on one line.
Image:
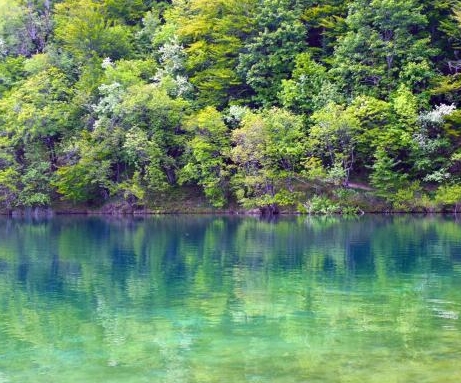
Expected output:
{"points": [[228, 299]]}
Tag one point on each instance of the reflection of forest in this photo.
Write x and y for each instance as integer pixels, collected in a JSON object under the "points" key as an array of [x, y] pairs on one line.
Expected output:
{"points": [[178, 298]]}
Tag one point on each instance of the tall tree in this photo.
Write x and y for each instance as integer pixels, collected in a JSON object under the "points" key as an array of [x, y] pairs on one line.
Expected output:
{"points": [[268, 56], [325, 23], [213, 33], [334, 139], [385, 38], [36, 116], [208, 156], [267, 152], [86, 29]]}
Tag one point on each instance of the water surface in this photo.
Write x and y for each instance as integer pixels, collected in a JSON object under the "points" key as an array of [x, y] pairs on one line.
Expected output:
{"points": [[228, 299]]}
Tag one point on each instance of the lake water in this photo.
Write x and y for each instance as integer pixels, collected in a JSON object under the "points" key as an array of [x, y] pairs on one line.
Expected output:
{"points": [[228, 299]]}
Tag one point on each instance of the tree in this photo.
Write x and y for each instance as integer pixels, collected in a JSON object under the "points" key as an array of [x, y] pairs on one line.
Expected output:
{"points": [[445, 16], [35, 180], [267, 56], [11, 72], [375, 118], [150, 108], [87, 30], [25, 26], [430, 150], [36, 116], [39, 109], [325, 23], [87, 175], [449, 195], [267, 152], [309, 88], [386, 177], [393, 165], [209, 151], [444, 25], [384, 37], [130, 11], [213, 34], [333, 138], [172, 75], [9, 174]]}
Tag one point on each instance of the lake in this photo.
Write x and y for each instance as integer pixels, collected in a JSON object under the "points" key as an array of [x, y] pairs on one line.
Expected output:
{"points": [[227, 299]]}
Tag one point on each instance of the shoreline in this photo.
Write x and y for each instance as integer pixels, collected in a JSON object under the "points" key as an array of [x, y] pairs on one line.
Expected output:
{"points": [[41, 213]]}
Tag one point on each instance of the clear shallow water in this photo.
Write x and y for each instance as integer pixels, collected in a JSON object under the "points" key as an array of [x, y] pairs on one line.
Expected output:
{"points": [[228, 299]]}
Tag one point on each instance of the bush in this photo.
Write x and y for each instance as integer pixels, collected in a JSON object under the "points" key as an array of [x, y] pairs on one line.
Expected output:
{"points": [[449, 195]]}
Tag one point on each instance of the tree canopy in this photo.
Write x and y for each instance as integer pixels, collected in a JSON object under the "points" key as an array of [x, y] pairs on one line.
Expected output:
{"points": [[262, 104]]}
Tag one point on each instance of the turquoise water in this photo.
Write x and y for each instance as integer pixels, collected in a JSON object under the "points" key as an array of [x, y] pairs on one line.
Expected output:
{"points": [[228, 299]]}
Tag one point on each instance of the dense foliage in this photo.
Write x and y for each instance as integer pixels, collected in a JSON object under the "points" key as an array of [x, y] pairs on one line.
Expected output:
{"points": [[267, 103]]}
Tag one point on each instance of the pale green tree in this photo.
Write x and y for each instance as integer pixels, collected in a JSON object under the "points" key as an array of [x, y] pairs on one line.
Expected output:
{"points": [[333, 137], [213, 34], [267, 151], [86, 29], [208, 155]]}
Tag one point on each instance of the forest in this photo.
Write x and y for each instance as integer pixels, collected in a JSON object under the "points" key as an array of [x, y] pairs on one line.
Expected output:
{"points": [[331, 106]]}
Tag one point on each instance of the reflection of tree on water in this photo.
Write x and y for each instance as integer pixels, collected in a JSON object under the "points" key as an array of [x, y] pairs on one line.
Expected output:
{"points": [[176, 298], [177, 248]]}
